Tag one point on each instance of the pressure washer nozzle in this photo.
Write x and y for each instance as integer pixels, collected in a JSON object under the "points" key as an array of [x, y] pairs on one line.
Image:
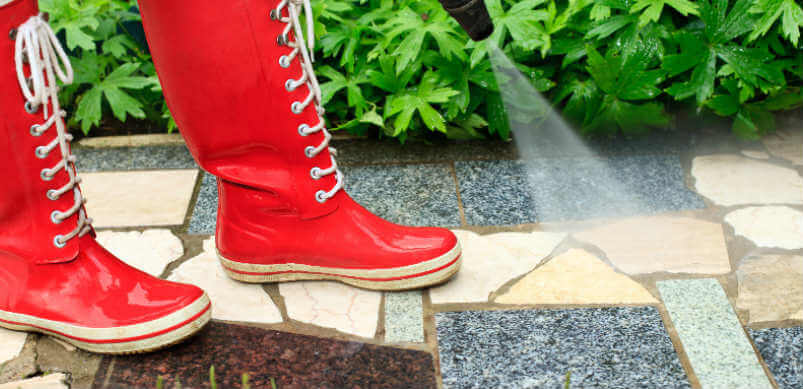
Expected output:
{"points": [[472, 16]]}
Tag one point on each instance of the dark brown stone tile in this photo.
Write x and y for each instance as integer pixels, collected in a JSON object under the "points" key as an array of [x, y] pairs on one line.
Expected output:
{"points": [[294, 361]]}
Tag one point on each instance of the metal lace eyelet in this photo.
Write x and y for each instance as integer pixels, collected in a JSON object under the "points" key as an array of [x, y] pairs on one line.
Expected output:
{"points": [[284, 61], [52, 195], [320, 196], [35, 130], [30, 108], [274, 14], [315, 173], [45, 176], [12, 34], [296, 108], [54, 217], [289, 85], [308, 151], [41, 152], [281, 40], [302, 130], [57, 241]]}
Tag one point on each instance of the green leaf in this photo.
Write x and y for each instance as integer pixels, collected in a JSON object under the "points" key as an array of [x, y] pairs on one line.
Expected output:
{"points": [[651, 9], [118, 45], [89, 109], [788, 11], [523, 22], [626, 78], [373, 118], [724, 105], [418, 100]]}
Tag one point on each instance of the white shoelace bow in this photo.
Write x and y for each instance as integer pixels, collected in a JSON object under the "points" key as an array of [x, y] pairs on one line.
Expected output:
{"points": [[48, 63], [294, 9]]}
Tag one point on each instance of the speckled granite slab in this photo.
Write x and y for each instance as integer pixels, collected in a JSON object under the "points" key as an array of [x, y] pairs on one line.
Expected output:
{"points": [[404, 317], [624, 347], [204, 214], [419, 195], [556, 189], [133, 158], [712, 336], [782, 350], [294, 361]]}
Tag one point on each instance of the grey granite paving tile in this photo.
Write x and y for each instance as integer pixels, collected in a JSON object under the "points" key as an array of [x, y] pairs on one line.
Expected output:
{"points": [[162, 157], [372, 151], [625, 347], [204, 214], [102, 159], [782, 350], [418, 195], [404, 317], [712, 336], [556, 189], [133, 158]]}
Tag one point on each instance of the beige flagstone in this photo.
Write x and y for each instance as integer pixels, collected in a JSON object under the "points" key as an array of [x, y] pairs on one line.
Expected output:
{"points": [[772, 226], [231, 300], [492, 260], [150, 251], [576, 277], [662, 244], [755, 154], [770, 287], [786, 144], [11, 344], [798, 315], [333, 305], [50, 381], [735, 180], [138, 198]]}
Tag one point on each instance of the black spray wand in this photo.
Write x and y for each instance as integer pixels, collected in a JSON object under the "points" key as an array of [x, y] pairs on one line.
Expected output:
{"points": [[472, 16]]}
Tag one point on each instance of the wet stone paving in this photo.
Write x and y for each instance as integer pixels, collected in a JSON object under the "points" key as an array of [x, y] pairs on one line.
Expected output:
{"points": [[668, 261]]}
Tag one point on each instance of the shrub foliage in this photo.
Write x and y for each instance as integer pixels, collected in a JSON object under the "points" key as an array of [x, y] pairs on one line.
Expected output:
{"points": [[405, 68]]}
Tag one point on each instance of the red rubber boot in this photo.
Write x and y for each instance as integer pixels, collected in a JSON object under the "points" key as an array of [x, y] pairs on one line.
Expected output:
{"points": [[239, 81], [54, 277]]}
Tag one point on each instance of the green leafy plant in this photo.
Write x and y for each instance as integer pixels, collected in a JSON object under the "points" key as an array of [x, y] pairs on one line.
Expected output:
{"points": [[405, 68], [114, 75]]}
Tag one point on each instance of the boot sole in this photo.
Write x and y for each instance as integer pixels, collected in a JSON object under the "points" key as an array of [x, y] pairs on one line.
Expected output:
{"points": [[138, 338], [433, 272]]}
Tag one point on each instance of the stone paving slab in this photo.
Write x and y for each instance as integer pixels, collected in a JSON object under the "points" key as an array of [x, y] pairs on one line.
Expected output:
{"points": [[404, 317], [49, 381], [231, 300], [138, 198], [557, 189], [417, 195], [601, 348], [652, 244], [729, 180], [714, 340], [150, 250], [782, 350], [333, 305], [292, 360], [204, 213], [92, 159], [11, 343], [770, 287], [769, 226], [490, 261], [576, 277]]}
